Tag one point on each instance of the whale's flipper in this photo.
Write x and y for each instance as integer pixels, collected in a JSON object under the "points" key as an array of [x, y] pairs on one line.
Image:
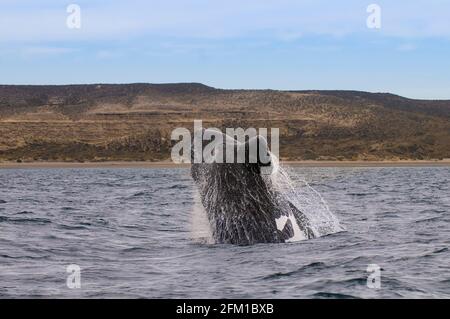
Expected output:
{"points": [[287, 231], [302, 221]]}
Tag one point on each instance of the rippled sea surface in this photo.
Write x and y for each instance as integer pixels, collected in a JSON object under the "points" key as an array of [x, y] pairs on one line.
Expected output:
{"points": [[129, 230]]}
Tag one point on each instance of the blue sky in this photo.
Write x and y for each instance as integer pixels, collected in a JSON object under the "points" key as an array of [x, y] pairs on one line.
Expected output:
{"points": [[277, 44]]}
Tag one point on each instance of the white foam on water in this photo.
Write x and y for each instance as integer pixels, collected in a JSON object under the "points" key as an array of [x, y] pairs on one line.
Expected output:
{"points": [[200, 227]]}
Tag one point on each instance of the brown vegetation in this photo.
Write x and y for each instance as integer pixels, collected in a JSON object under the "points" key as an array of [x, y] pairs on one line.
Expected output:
{"points": [[134, 122]]}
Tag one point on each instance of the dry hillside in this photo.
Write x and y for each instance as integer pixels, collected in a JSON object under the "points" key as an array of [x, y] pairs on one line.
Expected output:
{"points": [[134, 121]]}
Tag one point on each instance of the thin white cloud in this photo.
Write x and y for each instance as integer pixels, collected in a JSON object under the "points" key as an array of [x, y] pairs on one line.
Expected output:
{"points": [[108, 54], [38, 51], [407, 47], [25, 21], [44, 50]]}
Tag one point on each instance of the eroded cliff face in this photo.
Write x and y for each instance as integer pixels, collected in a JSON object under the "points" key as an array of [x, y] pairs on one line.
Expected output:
{"points": [[134, 121]]}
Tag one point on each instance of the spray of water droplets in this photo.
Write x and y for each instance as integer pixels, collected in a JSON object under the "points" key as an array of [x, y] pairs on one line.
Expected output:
{"points": [[321, 220]]}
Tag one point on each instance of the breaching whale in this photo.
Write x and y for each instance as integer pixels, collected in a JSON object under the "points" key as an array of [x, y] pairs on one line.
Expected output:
{"points": [[241, 203]]}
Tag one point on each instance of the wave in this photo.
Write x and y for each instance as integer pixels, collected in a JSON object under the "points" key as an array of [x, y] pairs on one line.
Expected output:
{"points": [[176, 186], [312, 266], [134, 250], [431, 219], [15, 220], [442, 250], [426, 255], [72, 227], [333, 295], [25, 212], [23, 257]]}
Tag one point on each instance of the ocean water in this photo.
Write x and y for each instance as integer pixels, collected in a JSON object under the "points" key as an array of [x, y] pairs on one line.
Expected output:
{"points": [[130, 232]]}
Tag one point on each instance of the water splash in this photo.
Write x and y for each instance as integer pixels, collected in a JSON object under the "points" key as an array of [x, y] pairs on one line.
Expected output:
{"points": [[200, 227], [321, 220]]}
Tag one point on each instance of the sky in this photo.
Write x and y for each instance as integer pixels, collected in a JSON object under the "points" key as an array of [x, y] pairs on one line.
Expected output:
{"points": [[239, 44]]}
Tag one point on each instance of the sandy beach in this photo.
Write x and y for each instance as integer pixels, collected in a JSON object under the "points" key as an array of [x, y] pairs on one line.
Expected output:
{"points": [[167, 164]]}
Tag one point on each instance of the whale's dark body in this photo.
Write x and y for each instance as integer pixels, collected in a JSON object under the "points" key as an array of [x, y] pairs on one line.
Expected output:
{"points": [[242, 206]]}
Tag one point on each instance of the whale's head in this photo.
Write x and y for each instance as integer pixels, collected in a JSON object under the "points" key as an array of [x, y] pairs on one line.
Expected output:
{"points": [[252, 155], [257, 154]]}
